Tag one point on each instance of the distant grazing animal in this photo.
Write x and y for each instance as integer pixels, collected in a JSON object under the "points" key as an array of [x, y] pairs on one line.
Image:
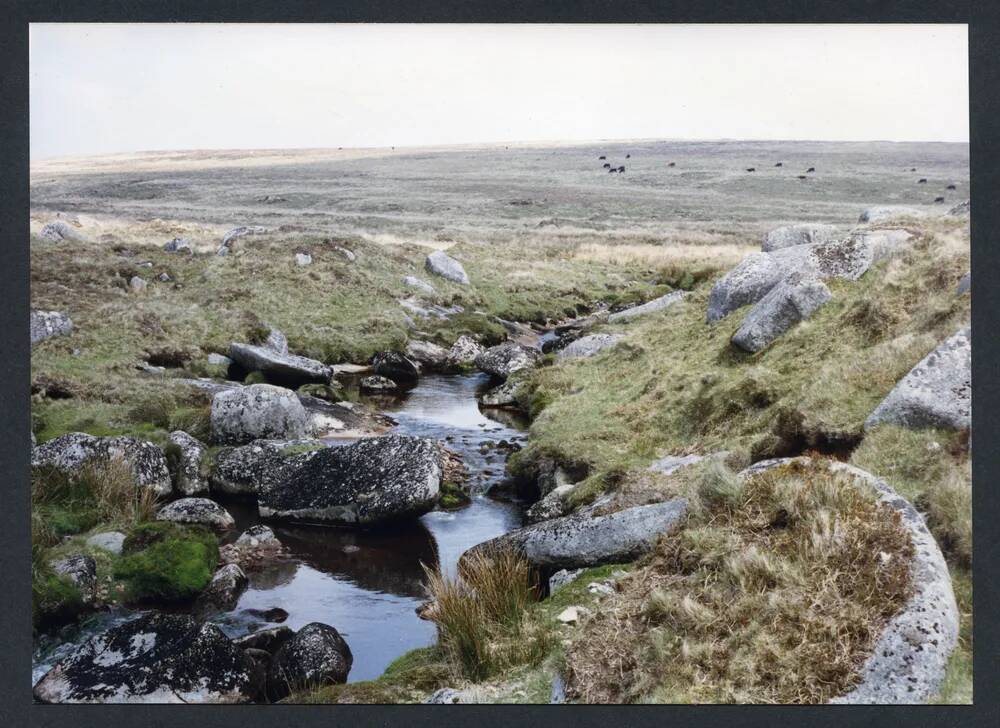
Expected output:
{"points": [[811, 169], [621, 170], [922, 181], [602, 157], [779, 164], [950, 187], [802, 176], [628, 156], [939, 199], [671, 165], [751, 169], [612, 170], [607, 165], [913, 169]]}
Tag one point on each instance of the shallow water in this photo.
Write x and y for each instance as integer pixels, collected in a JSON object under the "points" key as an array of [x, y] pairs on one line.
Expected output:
{"points": [[368, 583]]}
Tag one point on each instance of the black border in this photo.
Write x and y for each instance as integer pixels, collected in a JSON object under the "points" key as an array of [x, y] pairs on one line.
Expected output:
{"points": [[984, 35]]}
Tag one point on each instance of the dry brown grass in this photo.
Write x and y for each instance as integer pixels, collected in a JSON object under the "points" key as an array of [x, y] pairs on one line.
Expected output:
{"points": [[716, 256], [774, 593], [480, 614]]}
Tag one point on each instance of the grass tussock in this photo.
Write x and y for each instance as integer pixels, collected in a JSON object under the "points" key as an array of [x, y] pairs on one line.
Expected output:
{"points": [[480, 615], [774, 593]]}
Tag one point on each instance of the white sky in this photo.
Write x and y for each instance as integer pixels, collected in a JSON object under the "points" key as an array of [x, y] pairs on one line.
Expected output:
{"points": [[99, 88]]}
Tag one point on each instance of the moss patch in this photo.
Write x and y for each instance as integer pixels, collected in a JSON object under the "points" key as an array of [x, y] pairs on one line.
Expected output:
{"points": [[164, 561]]}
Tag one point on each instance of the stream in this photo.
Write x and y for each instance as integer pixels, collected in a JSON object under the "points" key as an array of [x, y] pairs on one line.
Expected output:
{"points": [[367, 583]]}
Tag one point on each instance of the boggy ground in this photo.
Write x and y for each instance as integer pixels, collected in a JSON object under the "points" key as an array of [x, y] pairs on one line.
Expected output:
{"points": [[545, 234]]}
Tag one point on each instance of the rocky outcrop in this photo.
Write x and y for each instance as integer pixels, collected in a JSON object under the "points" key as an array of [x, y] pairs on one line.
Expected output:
{"points": [[277, 341], [249, 469], [367, 482], [441, 264], [464, 351], [377, 384], [792, 300], [908, 663], [889, 213], [46, 324], [59, 230], [580, 540], [657, 304], [800, 234], [257, 412], [179, 245], [280, 367], [75, 450], [317, 655], [187, 459], [937, 392], [201, 511], [395, 366], [419, 284], [758, 273], [427, 354], [503, 360], [222, 593], [81, 571], [587, 346], [157, 658]]}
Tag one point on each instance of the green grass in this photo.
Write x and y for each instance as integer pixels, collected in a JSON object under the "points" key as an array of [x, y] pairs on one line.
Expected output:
{"points": [[410, 678]]}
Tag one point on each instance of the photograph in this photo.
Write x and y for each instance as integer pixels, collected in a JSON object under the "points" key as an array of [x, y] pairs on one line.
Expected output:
{"points": [[475, 363]]}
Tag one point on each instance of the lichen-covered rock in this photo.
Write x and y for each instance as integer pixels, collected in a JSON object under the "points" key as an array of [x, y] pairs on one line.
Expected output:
{"points": [[800, 234], [81, 570], [657, 304], [937, 392], [278, 366], [157, 658], [580, 540], [249, 469], [255, 547], [419, 283], [317, 655], [137, 284], [223, 592], [46, 324], [504, 359], [464, 351], [187, 457], [561, 578], [269, 639], [747, 283], [587, 346], [908, 663], [200, 511], [219, 360], [238, 232], [503, 395], [377, 384], [276, 341], [179, 245], [257, 412], [59, 230], [395, 366], [792, 300], [551, 505], [72, 451], [303, 259], [427, 354], [370, 481], [441, 264], [110, 541]]}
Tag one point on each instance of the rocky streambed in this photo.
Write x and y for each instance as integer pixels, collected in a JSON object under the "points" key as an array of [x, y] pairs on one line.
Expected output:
{"points": [[365, 582]]}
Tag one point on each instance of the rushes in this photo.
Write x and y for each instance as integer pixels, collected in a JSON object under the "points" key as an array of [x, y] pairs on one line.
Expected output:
{"points": [[480, 614]]}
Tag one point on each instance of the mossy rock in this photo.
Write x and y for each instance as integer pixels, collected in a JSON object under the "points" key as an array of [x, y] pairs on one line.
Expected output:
{"points": [[54, 600], [166, 562]]}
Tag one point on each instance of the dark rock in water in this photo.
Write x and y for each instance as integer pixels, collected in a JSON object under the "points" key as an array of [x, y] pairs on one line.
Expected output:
{"points": [[395, 366], [937, 392], [157, 658], [249, 469], [370, 481], [59, 230], [280, 367], [46, 324], [377, 384], [259, 411], [274, 614], [223, 592], [200, 511], [187, 459], [441, 264], [317, 655], [81, 570], [503, 360], [72, 451], [269, 639], [581, 540]]}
